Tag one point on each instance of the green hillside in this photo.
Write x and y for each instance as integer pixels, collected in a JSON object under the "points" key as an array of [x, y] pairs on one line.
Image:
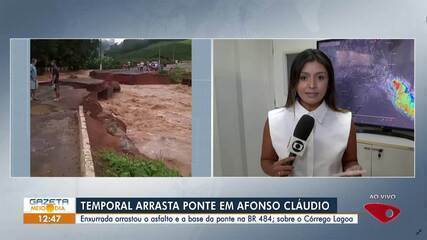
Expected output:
{"points": [[148, 50]]}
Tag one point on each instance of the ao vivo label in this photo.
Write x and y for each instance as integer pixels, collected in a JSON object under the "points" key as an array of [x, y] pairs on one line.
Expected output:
{"points": [[383, 196], [381, 211]]}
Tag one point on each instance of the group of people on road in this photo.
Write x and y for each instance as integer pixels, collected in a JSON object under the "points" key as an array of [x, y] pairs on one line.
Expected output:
{"points": [[54, 79], [142, 66]]}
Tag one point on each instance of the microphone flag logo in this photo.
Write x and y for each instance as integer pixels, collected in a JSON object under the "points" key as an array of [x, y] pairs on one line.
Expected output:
{"points": [[298, 146], [382, 212]]}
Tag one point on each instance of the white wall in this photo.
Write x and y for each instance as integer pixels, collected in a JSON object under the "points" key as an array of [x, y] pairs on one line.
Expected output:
{"points": [[249, 80], [242, 98], [227, 112], [257, 98]]}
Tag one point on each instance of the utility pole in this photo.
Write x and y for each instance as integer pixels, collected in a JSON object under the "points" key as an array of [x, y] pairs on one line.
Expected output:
{"points": [[173, 54], [159, 59], [100, 54]]}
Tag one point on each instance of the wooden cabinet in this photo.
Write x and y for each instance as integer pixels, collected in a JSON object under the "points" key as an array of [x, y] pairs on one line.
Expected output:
{"points": [[385, 155]]}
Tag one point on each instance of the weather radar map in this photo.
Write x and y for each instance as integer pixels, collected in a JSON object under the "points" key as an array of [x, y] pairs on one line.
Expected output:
{"points": [[374, 79]]}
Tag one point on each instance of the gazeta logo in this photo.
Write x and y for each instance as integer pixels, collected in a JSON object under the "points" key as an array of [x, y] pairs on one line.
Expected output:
{"points": [[48, 204]]}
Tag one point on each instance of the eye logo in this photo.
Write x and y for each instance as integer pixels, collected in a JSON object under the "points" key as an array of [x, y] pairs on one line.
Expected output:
{"points": [[382, 212], [297, 146]]}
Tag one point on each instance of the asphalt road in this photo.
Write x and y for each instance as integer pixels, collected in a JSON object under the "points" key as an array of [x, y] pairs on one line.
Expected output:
{"points": [[54, 132]]}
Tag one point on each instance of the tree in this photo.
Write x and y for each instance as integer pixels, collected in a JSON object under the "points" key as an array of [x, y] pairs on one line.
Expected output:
{"points": [[71, 53]]}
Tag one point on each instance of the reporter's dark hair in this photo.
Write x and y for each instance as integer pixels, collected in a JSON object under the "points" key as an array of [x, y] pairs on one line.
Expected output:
{"points": [[311, 55]]}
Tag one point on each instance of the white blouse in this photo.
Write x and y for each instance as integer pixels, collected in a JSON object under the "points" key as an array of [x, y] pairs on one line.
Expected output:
{"points": [[325, 145]]}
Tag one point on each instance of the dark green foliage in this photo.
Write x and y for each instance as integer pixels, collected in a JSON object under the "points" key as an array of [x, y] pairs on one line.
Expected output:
{"points": [[148, 50], [129, 45], [120, 165], [176, 74], [73, 54], [107, 63]]}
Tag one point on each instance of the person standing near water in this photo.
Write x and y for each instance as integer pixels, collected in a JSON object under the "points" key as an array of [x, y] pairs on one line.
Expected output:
{"points": [[33, 79]]}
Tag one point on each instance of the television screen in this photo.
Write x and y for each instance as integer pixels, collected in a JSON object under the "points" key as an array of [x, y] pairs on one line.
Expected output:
{"points": [[374, 79]]}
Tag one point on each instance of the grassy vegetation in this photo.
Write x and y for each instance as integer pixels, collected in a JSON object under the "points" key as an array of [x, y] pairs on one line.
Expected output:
{"points": [[176, 74], [169, 50], [120, 165]]}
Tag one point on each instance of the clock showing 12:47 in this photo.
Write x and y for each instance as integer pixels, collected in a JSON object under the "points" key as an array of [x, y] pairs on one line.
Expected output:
{"points": [[49, 218]]}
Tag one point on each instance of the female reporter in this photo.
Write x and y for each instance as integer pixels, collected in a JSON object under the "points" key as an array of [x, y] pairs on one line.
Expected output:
{"points": [[331, 148]]}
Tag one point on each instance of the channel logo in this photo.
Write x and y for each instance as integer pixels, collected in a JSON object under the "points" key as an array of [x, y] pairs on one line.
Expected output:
{"points": [[382, 212], [298, 146], [49, 205]]}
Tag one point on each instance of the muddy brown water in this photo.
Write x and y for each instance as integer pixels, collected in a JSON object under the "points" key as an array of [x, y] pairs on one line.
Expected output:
{"points": [[158, 120]]}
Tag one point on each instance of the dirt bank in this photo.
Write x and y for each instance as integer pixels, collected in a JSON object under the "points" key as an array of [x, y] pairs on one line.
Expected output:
{"points": [[131, 77], [46, 77]]}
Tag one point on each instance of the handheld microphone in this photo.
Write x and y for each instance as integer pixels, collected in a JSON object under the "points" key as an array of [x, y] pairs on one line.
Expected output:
{"points": [[297, 143]]}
